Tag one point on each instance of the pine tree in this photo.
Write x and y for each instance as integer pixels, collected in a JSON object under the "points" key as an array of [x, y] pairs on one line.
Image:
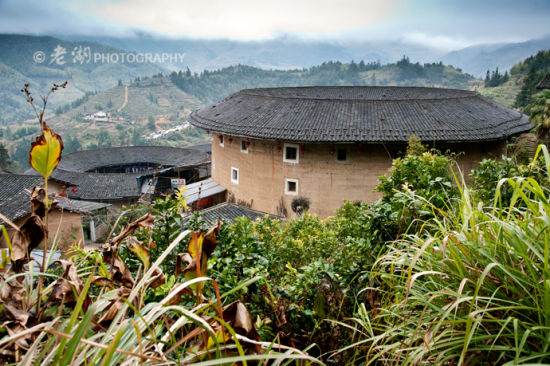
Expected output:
{"points": [[5, 161], [523, 99]]}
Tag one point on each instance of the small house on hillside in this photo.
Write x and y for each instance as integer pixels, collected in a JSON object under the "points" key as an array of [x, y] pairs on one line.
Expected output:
{"points": [[274, 146]]}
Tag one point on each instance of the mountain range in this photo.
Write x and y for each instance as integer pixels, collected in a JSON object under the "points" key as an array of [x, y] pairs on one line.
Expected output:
{"points": [[287, 52]]}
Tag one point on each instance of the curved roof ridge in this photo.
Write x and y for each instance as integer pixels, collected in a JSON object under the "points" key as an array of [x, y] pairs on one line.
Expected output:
{"points": [[460, 93]]}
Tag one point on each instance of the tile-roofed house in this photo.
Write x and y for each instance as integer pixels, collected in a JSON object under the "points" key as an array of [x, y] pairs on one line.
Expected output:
{"points": [[272, 146], [67, 215], [111, 174], [230, 212], [544, 83]]}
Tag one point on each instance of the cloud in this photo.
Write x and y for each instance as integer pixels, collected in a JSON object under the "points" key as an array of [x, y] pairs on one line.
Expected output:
{"points": [[247, 19], [440, 42]]}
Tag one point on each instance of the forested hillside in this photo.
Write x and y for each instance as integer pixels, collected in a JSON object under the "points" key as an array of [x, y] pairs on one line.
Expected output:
{"points": [[210, 86], [516, 89]]}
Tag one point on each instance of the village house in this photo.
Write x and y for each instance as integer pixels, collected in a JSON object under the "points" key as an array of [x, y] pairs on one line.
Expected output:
{"points": [[275, 146], [121, 175], [65, 221]]}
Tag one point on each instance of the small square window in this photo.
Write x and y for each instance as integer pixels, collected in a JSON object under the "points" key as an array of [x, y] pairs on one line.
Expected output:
{"points": [[291, 153], [244, 146], [234, 175], [342, 154], [221, 140], [291, 187]]}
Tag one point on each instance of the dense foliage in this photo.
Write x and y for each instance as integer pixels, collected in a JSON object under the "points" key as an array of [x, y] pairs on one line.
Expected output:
{"points": [[473, 290], [533, 68]]}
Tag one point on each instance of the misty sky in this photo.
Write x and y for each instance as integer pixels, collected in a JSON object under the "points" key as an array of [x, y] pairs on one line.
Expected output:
{"points": [[443, 24]]}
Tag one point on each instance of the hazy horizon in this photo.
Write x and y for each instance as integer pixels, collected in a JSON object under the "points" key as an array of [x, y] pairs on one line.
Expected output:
{"points": [[444, 26]]}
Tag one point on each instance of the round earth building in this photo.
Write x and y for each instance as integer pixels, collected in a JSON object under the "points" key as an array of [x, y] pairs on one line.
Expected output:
{"points": [[330, 144]]}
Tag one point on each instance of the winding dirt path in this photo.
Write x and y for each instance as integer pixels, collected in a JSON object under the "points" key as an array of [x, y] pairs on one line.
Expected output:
{"points": [[125, 98]]}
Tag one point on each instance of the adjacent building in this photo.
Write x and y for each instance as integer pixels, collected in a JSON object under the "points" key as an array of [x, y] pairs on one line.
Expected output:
{"points": [[70, 223], [121, 175], [324, 145]]}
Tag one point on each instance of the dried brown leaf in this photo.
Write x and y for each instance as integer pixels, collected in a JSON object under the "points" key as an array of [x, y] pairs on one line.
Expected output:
{"points": [[65, 287], [28, 237], [210, 241], [17, 315], [157, 279], [116, 304], [144, 221]]}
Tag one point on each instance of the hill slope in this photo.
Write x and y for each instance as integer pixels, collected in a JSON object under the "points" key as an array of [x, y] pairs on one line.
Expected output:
{"points": [[211, 86], [524, 76], [30, 59]]}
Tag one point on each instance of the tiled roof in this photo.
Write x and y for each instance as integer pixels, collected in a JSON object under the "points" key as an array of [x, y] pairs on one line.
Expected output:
{"points": [[87, 160], [15, 197], [100, 186], [207, 148], [73, 169], [228, 211], [544, 83], [12, 184], [80, 206], [97, 186], [204, 188], [361, 114]]}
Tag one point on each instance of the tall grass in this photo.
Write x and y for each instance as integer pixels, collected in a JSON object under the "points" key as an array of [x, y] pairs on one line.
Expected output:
{"points": [[472, 290], [157, 333]]}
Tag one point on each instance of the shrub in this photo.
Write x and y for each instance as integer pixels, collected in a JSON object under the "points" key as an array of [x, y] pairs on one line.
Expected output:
{"points": [[475, 291], [427, 175]]}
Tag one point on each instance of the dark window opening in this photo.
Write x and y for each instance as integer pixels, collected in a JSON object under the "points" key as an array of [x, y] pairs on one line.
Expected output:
{"points": [[291, 186], [342, 155], [291, 153]]}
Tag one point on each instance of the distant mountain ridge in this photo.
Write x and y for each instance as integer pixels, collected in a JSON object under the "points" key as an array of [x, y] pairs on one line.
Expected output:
{"points": [[286, 52], [478, 59]]}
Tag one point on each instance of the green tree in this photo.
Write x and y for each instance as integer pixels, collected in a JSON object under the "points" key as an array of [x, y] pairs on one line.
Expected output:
{"points": [[151, 123], [104, 139], [72, 144], [540, 112], [523, 99], [5, 161]]}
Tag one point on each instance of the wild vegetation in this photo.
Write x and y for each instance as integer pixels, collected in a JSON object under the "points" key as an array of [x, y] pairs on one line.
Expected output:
{"points": [[438, 271]]}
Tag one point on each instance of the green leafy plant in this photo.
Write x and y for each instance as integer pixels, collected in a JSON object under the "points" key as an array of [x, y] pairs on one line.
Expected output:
{"points": [[474, 291]]}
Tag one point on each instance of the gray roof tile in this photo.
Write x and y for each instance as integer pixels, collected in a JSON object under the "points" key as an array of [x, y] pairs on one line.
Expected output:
{"points": [[361, 114]]}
